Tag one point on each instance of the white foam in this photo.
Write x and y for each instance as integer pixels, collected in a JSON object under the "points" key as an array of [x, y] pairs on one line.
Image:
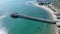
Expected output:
{"points": [[1, 17], [4, 14], [3, 30], [46, 8], [29, 2], [49, 10]]}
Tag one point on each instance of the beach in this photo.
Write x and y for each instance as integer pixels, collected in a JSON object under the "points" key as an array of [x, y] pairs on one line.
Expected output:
{"points": [[55, 29], [46, 8], [9, 25]]}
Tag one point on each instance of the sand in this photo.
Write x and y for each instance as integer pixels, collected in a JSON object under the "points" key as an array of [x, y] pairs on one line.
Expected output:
{"points": [[45, 7]]}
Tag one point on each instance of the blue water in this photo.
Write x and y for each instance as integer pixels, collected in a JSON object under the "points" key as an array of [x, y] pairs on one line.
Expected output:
{"points": [[10, 25]]}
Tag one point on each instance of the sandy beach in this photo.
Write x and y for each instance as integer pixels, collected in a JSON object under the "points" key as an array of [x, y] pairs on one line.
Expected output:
{"points": [[50, 11], [46, 8]]}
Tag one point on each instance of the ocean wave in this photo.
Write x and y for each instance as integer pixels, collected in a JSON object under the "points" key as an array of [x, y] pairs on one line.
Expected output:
{"points": [[3, 30], [5, 14], [30, 2], [1, 17]]}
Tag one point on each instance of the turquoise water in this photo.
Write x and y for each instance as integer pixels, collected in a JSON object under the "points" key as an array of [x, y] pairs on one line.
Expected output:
{"points": [[10, 25]]}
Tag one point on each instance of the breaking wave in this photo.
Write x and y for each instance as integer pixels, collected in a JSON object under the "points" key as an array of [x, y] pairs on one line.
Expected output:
{"points": [[3, 30]]}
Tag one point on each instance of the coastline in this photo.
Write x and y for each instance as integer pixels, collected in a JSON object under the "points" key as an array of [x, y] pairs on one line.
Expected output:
{"points": [[47, 9], [55, 29]]}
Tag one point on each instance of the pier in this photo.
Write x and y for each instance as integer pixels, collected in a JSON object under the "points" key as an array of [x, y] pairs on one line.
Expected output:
{"points": [[44, 6], [33, 18], [55, 12]]}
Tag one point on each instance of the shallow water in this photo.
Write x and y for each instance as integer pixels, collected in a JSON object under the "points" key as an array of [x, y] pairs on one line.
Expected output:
{"points": [[10, 25]]}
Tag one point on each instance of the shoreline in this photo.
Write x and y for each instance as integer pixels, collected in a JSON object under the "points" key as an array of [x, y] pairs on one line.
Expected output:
{"points": [[47, 9], [51, 12]]}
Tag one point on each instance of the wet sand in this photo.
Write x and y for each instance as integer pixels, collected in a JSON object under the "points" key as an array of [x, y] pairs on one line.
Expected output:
{"points": [[55, 30]]}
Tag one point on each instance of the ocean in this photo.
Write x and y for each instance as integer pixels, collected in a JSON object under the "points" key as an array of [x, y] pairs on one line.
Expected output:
{"points": [[9, 25]]}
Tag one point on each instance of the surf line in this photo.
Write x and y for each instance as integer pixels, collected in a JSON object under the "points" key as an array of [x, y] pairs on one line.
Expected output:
{"points": [[3, 30], [47, 9]]}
